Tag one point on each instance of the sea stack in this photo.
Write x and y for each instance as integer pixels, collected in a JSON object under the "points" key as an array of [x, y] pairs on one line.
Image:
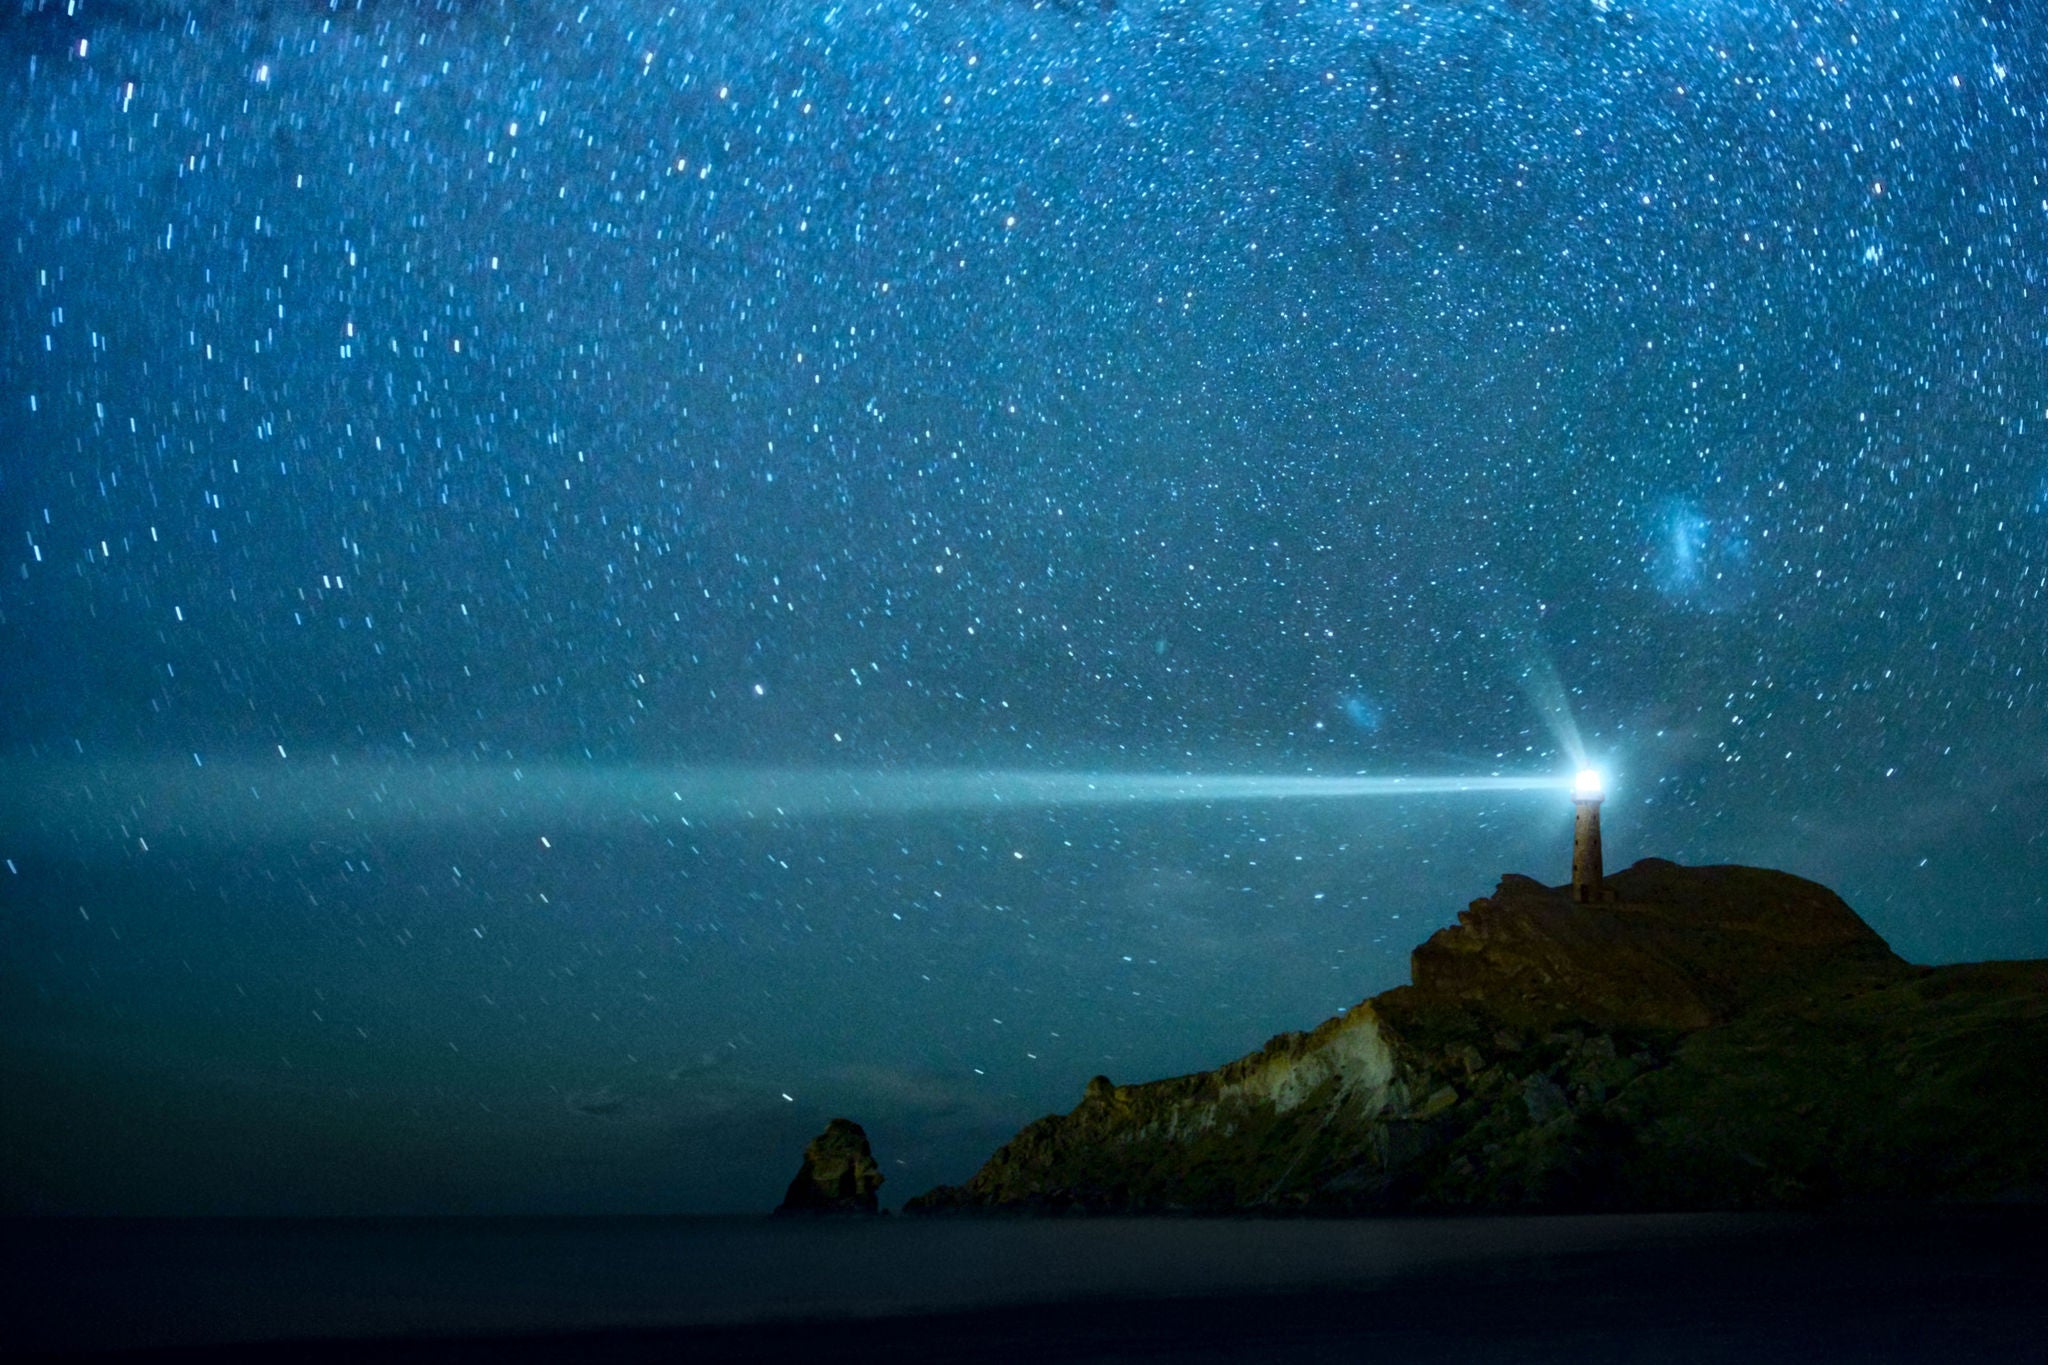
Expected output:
{"points": [[839, 1174]]}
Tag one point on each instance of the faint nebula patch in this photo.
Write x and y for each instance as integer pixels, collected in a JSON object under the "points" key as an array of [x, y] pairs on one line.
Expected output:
{"points": [[1699, 558]]}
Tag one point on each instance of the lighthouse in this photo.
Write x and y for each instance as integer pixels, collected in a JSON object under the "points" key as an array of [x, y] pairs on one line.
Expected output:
{"points": [[1587, 884]]}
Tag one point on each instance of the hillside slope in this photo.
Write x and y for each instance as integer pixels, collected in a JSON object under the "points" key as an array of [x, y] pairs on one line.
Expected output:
{"points": [[1716, 1037]]}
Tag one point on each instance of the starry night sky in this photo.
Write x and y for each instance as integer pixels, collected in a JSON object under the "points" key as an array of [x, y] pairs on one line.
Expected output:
{"points": [[399, 393]]}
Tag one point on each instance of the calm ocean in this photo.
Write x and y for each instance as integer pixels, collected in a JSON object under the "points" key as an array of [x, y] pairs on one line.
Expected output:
{"points": [[1684, 1286]]}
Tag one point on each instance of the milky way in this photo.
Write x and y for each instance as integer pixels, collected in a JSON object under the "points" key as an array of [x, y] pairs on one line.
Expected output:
{"points": [[1154, 388]]}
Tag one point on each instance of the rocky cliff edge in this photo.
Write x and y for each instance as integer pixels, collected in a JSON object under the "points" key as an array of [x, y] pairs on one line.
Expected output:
{"points": [[1714, 1037]]}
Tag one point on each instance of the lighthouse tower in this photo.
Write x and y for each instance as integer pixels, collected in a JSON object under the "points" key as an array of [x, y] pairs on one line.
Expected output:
{"points": [[1588, 887]]}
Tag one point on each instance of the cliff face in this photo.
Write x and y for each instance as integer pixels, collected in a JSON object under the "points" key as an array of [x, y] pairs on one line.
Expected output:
{"points": [[1717, 1037]]}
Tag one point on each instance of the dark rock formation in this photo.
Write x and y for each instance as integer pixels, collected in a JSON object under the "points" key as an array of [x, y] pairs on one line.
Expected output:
{"points": [[1683, 948], [839, 1174], [1717, 1037]]}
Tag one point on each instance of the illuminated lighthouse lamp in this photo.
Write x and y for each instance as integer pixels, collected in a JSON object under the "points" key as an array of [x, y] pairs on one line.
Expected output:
{"points": [[1590, 785]]}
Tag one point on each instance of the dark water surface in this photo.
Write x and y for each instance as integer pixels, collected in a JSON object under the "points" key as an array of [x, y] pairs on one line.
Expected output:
{"points": [[1678, 1287]]}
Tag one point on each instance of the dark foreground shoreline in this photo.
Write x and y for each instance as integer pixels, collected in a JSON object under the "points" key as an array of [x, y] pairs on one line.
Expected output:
{"points": [[1896, 1285]]}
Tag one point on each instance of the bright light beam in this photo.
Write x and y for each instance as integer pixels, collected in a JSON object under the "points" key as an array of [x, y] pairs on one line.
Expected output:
{"points": [[1541, 684], [242, 800], [1546, 692]]}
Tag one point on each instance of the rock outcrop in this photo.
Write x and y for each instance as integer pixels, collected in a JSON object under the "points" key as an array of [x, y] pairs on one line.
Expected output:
{"points": [[839, 1174], [1716, 1037]]}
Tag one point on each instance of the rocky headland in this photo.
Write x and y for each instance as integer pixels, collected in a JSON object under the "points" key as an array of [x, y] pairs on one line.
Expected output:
{"points": [[1711, 1038]]}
